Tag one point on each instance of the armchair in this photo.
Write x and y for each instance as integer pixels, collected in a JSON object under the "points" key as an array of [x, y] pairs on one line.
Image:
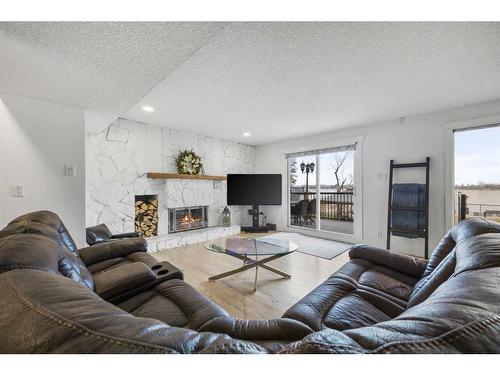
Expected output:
{"points": [[101, 233]]}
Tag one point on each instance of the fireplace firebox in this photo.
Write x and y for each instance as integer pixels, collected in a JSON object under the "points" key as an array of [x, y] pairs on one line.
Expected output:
{"points": [[187, 218]]}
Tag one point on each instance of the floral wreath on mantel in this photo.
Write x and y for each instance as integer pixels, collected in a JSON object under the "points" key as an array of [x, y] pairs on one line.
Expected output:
{"points": [[188, 163]]}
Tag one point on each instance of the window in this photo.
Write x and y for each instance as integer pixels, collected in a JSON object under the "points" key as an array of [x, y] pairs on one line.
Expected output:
{"points": [[477, 173]]}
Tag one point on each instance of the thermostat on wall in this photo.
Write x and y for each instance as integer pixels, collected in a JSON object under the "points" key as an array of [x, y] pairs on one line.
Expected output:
{"points": [[69, 170]]}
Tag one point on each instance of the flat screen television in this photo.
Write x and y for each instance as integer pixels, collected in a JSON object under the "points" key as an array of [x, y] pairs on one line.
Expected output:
{"points": [[253, 189]]}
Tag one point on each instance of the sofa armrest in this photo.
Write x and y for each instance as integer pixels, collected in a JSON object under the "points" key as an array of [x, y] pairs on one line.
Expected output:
{"points": [[112, 249], [406, 264], [280, 329], [122, 279], [126, 235]]}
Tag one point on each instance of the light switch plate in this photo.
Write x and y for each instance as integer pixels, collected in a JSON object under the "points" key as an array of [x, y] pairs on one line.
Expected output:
{"points": [[70, 170], [17, 191], [382, 176]]}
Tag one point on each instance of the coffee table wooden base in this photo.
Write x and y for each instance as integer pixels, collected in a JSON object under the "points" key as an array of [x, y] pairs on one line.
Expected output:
{"points": [[249, 263]]}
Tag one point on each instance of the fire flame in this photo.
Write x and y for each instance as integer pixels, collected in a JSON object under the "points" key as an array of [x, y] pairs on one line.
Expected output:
{"points": [[189, 219]]}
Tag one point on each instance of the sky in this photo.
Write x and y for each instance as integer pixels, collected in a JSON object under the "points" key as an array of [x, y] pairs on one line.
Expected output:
{"points": [[477, 156]]}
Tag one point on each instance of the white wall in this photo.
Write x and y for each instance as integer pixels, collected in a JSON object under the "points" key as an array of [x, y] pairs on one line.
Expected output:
{"points": [[37, 139], [410, 141]]}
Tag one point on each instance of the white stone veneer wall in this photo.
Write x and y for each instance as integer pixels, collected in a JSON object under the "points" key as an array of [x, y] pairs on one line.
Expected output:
{"points": [[118, 158]]}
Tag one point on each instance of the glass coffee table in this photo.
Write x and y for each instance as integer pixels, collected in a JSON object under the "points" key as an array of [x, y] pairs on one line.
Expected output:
{"points": [[255, 253]]}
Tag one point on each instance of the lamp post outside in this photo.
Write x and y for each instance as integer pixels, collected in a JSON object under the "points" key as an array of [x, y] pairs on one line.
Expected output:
{"points": [[307, 168]]}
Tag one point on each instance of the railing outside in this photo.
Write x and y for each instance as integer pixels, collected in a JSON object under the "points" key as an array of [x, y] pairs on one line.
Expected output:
{"points": [[333, 206], [481, 209]]}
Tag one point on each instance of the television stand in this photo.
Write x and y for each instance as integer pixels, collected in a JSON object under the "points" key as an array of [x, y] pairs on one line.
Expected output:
{"points": [[255, 228]]}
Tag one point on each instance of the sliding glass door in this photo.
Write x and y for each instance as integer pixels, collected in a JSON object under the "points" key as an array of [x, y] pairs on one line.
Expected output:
{"points": [[322, 191]]}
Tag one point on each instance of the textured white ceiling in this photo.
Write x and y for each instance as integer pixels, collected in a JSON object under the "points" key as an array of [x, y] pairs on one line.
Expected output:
{"points": [[275, 80], [284, 80], [101, 66]]}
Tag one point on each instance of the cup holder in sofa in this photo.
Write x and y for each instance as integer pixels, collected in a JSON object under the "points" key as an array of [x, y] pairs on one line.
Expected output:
{"points": [[165, 271]]}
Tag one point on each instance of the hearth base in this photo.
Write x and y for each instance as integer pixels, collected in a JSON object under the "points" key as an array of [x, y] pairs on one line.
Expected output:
{"points": [[168, 241]]}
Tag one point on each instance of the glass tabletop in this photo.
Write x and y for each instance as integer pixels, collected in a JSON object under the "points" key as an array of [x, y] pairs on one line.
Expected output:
{"points": [[251, 246]]}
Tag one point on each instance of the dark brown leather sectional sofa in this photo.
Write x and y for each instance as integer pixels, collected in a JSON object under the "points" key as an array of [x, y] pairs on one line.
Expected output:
{"points": [[55, 298]]}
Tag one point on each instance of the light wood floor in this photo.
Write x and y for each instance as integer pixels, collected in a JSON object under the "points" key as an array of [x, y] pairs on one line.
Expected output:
{"points": [[235, 293]]}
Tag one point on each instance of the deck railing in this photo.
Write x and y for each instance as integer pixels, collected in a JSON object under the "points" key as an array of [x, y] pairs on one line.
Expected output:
{"points": [[333, 206], [481, 209]]}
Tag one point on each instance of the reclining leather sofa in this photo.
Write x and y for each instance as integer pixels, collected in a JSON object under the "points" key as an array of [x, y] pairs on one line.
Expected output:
{"points": [[120, 272], [54, 299], [377, 285]]}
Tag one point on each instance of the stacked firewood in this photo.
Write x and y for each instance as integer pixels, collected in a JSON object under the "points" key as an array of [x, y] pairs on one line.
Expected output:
{"points": [[146, 217]]}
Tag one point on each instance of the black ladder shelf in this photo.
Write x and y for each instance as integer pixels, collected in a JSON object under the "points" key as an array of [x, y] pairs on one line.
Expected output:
{"points": [[422, 233]]}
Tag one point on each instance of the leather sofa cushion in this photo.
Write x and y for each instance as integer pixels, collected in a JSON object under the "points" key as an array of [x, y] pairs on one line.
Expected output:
{"points": [[342, 302], [48, 313], [34, 251], [109, 250], [34, 222], [463, 230], [353, 311], [31, 228], [16, 252], [430, 283], [175, 303], [48, 224], [442, 262], [479, 252], [119, 280], [107, 264], [403, 264], [70, 265], [386, 282]]}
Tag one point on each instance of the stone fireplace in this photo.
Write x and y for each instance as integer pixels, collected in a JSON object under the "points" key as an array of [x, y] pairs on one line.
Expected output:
{"points": [[146, 215], [187, 218]]}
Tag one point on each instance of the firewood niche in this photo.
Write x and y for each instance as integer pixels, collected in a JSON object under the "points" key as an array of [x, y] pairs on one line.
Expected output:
{"points": [[146, 215]]}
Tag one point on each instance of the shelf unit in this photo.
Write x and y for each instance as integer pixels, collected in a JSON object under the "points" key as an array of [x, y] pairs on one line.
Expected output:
{"points": [[423, 233]]}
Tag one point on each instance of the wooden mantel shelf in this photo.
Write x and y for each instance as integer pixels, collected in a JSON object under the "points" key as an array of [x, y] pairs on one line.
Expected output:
{"points": [[184, 176]]}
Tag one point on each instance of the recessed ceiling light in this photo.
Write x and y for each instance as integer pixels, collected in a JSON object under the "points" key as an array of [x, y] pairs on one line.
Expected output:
{"points": [[147, 108], [247, 134]]}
